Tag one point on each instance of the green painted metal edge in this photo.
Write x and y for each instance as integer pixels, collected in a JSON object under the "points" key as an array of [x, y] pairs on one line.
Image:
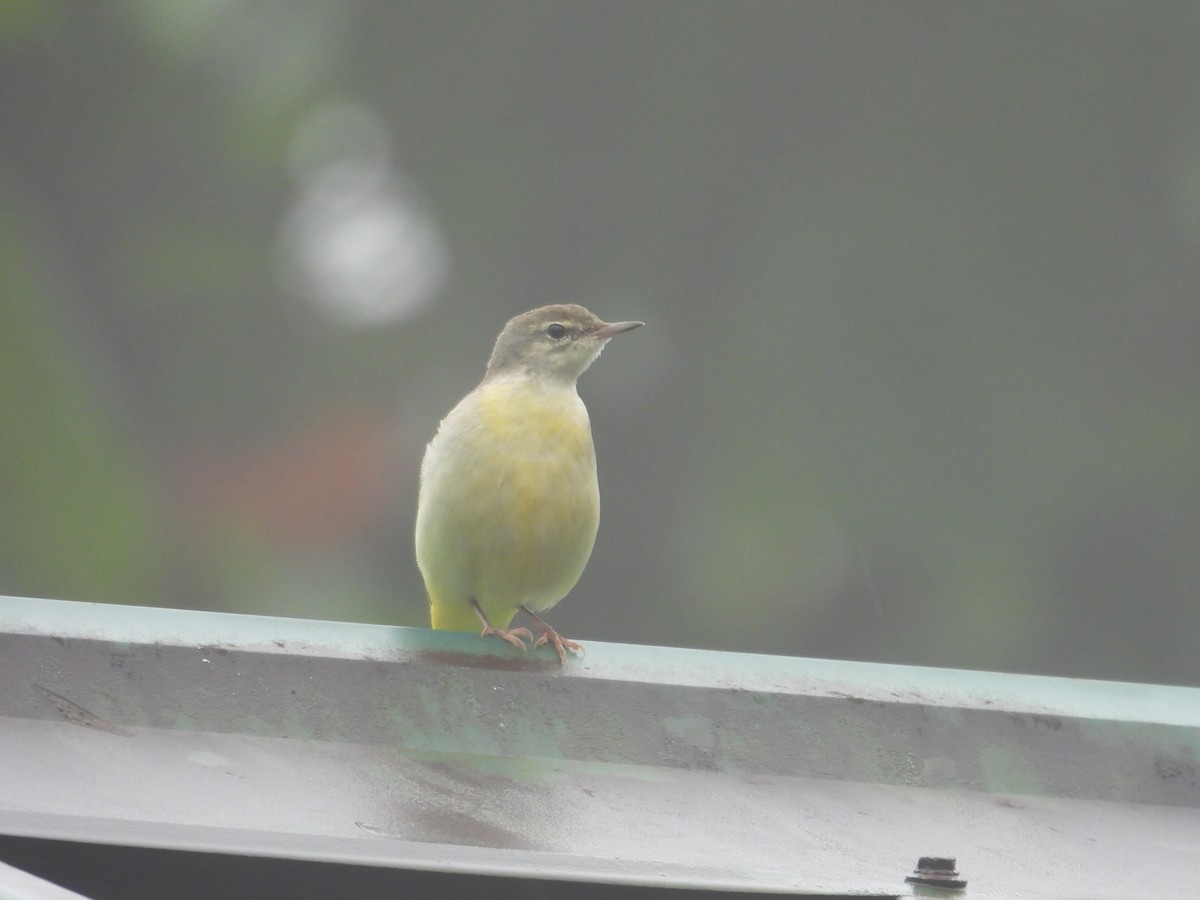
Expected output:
{"points": [[1032, 694]]}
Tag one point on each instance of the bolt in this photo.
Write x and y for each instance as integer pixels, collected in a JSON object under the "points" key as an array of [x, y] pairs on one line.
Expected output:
{"points": [[937, 871]]}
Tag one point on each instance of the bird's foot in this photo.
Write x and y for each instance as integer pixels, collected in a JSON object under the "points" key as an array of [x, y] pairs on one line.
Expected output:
{"points": [[513, 635], [558, 642]]}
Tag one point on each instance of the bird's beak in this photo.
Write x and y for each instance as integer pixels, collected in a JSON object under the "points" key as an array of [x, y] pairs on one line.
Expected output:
{"points": [[604, 332]]}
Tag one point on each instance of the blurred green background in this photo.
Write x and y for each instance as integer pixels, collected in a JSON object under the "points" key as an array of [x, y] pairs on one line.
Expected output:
{"points": [[921, 375]]}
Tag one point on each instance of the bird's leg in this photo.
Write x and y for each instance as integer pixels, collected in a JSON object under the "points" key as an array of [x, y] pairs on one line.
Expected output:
{"points": [[512, 635], [552, 637]]}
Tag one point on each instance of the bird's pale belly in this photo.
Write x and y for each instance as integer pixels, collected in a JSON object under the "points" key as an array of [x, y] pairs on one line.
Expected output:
{"points": [[512, 519]]}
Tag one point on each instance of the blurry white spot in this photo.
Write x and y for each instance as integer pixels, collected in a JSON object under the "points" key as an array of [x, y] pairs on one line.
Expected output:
{"points": [[359, 243]]}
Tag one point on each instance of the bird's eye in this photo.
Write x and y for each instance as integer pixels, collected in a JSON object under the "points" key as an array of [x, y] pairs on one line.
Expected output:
{"points": [[555, 331]]}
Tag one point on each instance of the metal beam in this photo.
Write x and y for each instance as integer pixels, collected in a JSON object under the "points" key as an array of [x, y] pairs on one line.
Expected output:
{"points": [[642, 766]]}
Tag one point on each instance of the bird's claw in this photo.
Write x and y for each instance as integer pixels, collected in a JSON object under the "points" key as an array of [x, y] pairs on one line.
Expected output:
{"points": [[560, 643], [514, 636]]}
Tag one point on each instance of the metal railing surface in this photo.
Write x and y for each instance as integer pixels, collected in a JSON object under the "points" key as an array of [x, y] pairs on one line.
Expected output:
{"points": [[412, 751]]}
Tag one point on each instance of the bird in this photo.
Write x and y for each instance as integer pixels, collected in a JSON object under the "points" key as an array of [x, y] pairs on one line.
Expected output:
{"points": [[509, 503]]}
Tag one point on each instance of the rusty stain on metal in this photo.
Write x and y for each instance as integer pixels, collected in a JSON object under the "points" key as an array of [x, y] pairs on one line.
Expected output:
{"points": [[73, 712]]}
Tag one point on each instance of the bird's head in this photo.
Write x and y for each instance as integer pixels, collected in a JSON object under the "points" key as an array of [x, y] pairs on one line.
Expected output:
{"points": [[556, 342]]}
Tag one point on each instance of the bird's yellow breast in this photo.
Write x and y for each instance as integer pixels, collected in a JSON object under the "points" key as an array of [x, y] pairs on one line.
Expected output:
{"points": [[509, 502]]}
